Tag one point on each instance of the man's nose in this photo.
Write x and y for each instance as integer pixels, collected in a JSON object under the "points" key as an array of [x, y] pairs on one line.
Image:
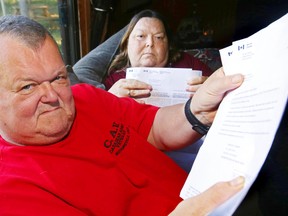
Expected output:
{"points": [[48, 93]]}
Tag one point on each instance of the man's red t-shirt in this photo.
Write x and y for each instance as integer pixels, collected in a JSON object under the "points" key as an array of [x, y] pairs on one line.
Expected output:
{"points": [[104, 166]]}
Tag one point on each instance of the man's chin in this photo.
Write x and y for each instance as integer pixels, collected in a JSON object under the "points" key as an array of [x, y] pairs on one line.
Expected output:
{"points": [[54, 126]]}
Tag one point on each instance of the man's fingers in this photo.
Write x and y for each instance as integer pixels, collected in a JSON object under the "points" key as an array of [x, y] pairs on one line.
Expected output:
{"points": [[218, 83], [209, 200], [208, 97], [219, 193]]}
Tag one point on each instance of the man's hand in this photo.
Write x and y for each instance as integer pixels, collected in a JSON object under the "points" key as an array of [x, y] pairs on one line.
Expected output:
{"points": [[131, 88], [209, 200], [207, 98]]}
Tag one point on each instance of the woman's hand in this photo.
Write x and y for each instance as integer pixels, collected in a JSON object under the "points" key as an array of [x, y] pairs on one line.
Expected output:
{"points": [[209, 200], [131, 88], [195, 83]]}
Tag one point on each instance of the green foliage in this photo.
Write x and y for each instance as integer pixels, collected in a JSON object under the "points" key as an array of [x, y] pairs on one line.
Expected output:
{"points": [[43, 11]]}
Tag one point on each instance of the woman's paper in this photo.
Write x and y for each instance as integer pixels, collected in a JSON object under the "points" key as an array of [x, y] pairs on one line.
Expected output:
{"points": [[248, 117], [169, 84]]}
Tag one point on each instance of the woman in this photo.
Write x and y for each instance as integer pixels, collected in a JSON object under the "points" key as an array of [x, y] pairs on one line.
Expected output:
{"points": [[148, 42]]}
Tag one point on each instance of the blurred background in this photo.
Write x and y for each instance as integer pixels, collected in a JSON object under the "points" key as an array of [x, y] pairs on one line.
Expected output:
{"points": [[81, 25]]}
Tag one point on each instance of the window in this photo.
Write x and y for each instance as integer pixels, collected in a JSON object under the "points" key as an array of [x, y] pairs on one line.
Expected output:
{"points": [[58, 16]]}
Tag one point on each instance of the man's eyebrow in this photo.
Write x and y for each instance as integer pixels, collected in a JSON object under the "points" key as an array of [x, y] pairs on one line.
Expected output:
{"points": [[61, 68]]}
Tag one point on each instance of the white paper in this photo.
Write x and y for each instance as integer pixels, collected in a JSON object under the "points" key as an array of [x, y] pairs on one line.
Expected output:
{"points": [[169, 84], [248, 117]]}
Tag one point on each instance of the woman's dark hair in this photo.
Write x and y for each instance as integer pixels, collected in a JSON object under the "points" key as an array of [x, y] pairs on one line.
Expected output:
{"points": [[122, 60]]}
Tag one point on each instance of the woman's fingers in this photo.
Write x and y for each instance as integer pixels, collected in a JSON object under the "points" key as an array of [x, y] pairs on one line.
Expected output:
{"points": [[195, 83], [131, 88], [197, 80]]}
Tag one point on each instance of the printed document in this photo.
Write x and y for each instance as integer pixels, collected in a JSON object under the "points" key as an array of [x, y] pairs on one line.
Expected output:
{"points": [[169, 84], [248, 117]]}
